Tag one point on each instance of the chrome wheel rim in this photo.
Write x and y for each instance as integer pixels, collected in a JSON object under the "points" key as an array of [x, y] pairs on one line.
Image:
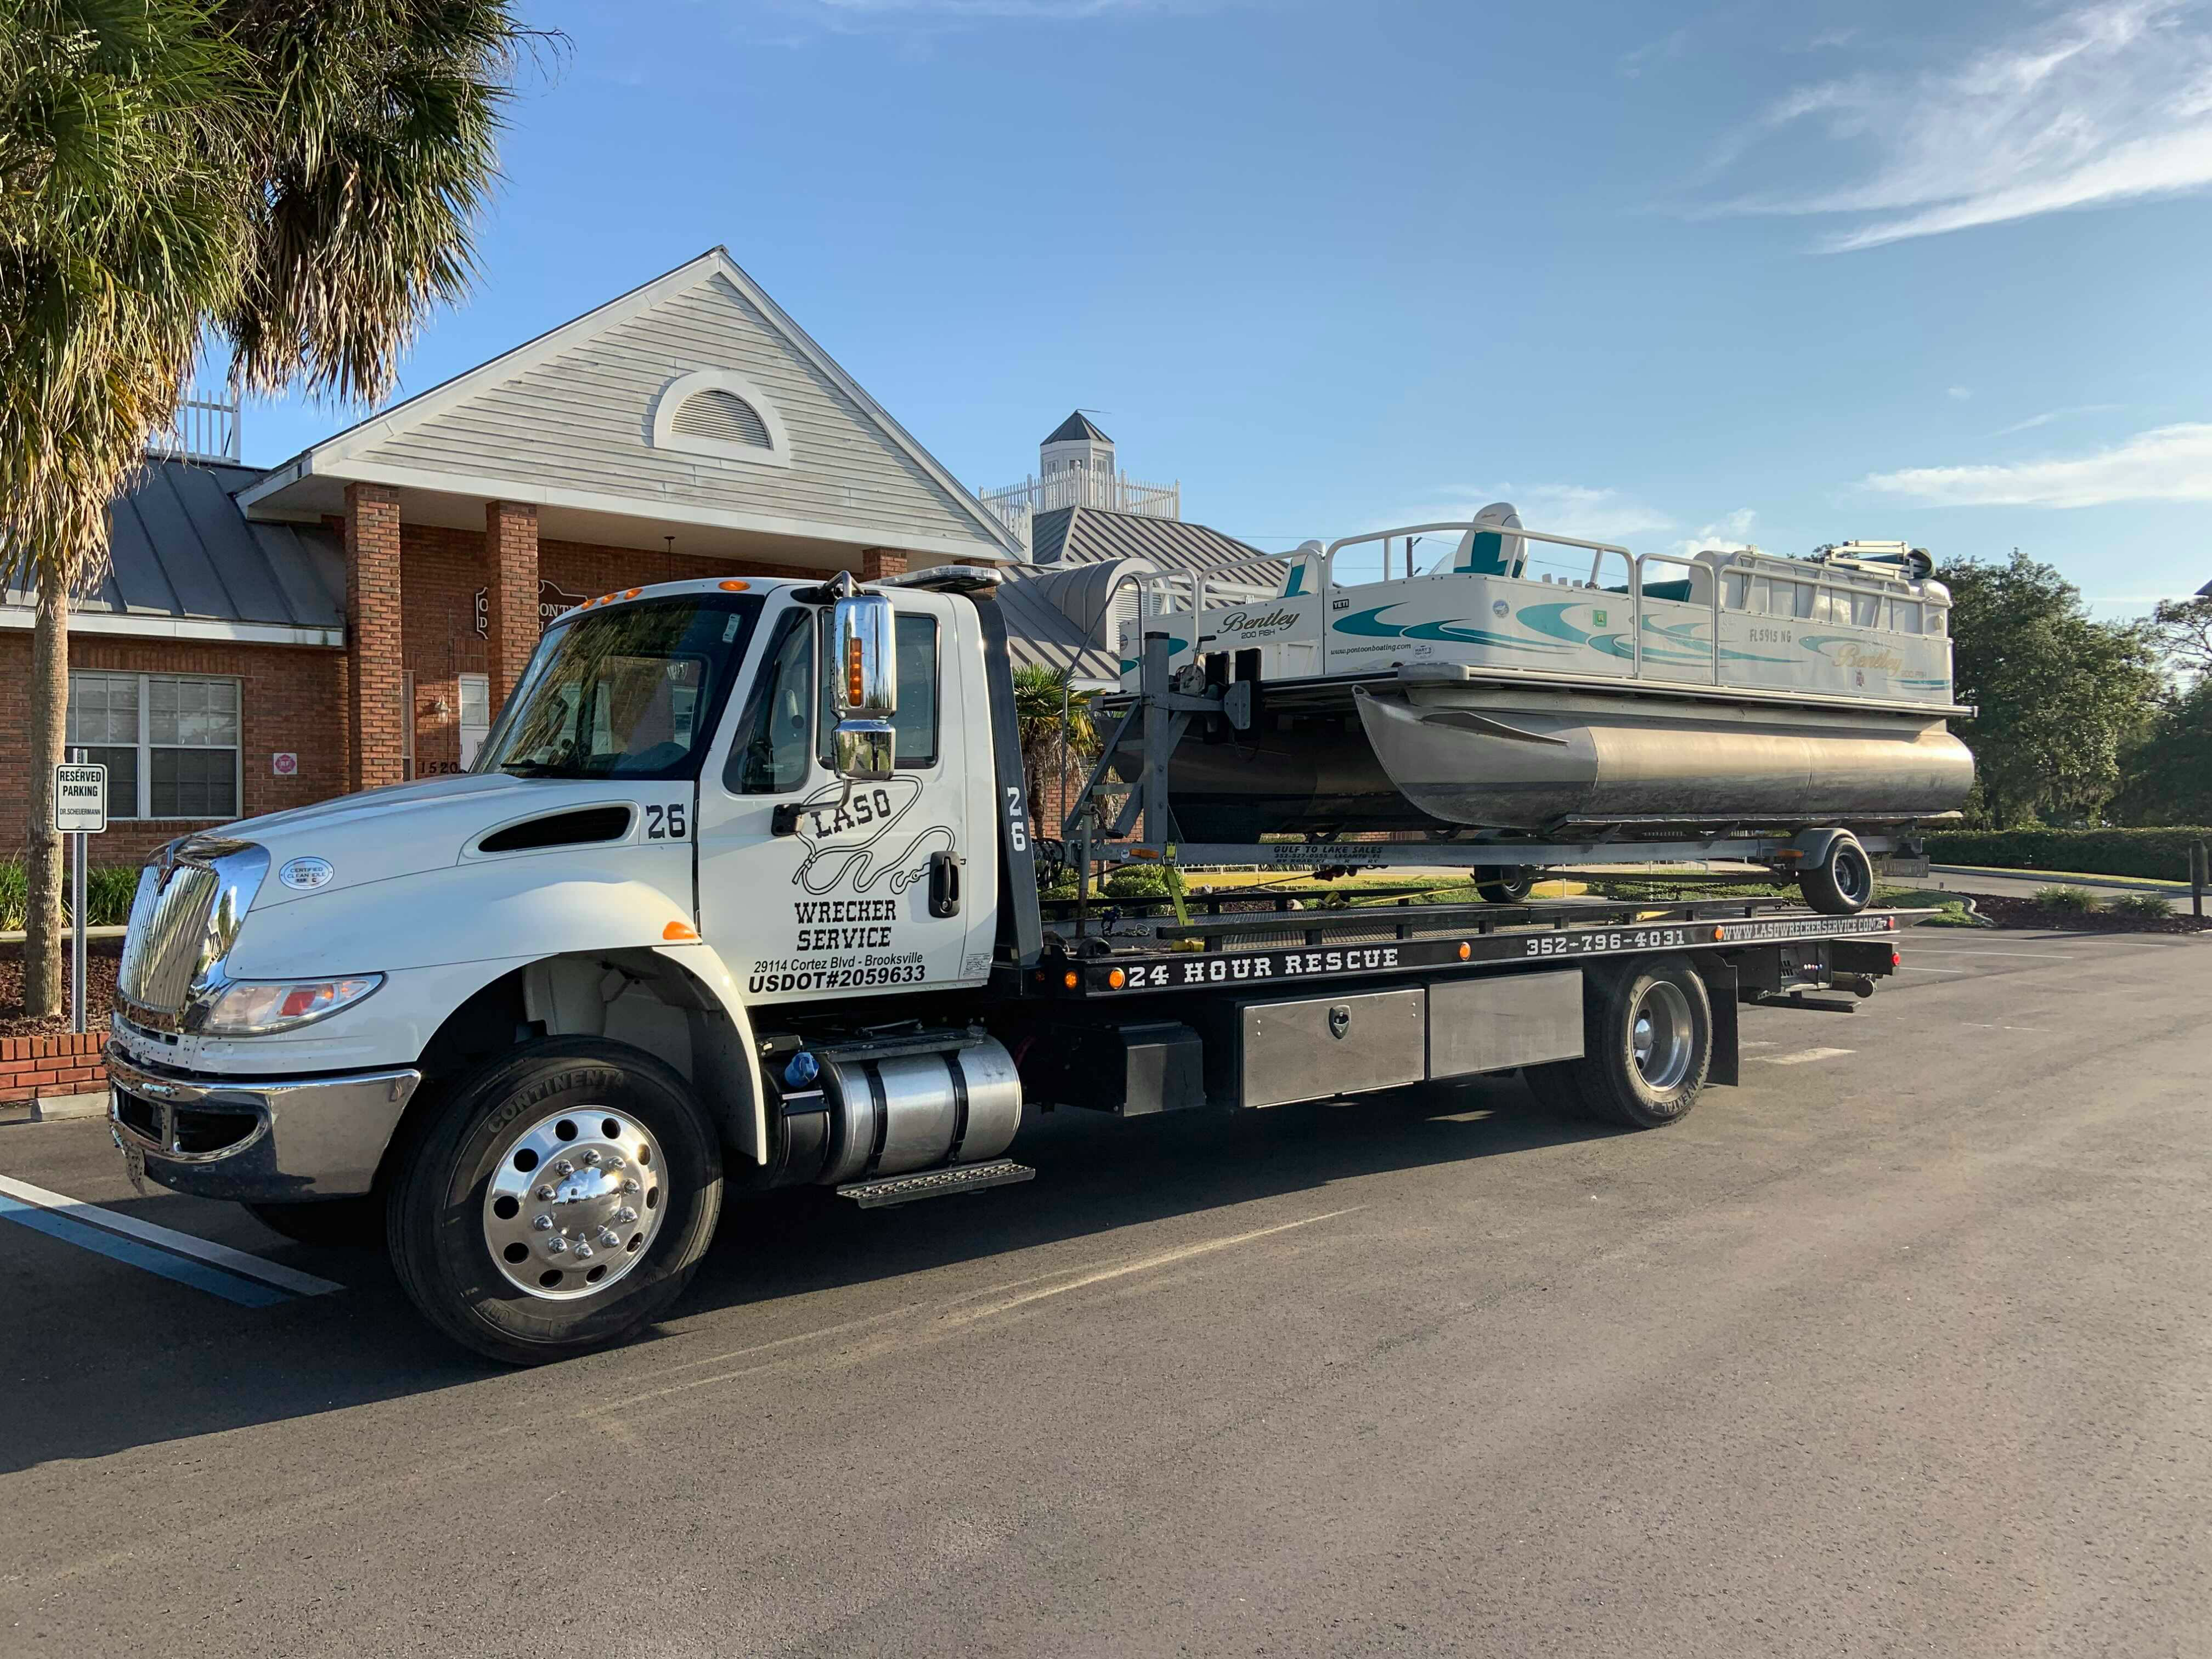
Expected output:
{"points": [[1659, 1035], [574, 1203]]}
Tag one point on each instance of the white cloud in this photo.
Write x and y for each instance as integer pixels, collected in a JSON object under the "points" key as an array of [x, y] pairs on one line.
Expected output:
{"points": [[2051, 414], [2166, 464], [1959, 393], [2107, 103], [1729, 533]]}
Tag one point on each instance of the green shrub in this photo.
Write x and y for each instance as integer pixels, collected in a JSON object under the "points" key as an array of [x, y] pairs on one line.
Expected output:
{"points": [[2140, 904], [108, 890], [2159, 854], [2071, 900], [1137, 881]]}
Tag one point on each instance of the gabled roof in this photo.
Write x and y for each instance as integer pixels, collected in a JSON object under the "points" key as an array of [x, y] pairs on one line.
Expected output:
{"points": [[186, 563], [366, 450], [1076, 429]]}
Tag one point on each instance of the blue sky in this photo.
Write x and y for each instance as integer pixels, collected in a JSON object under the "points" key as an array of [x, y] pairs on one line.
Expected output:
{"points": [[1783, 273]]}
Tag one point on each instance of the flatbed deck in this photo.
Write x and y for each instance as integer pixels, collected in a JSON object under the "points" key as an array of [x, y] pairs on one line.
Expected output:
{"points": [[1094, 957]]}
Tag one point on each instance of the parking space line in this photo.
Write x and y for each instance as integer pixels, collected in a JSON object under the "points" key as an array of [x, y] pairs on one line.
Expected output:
{"points": [[1976, 951], [1909, 968], [167, 1238], [229, 1286]]}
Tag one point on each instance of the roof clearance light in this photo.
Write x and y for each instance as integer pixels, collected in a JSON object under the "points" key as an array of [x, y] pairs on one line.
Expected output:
{"points": [[733, 588], [633, 593]]}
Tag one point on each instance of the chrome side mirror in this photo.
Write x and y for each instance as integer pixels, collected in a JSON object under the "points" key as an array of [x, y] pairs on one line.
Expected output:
{"points": [[864, 680], [863, 688]]}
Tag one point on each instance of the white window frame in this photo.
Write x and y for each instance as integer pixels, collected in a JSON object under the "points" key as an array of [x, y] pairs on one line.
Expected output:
{"points": [[144, 814], [462, 685], [684, 387]]}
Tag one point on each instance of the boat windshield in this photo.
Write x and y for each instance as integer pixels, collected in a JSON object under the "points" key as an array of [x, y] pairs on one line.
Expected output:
{"points": [[632, 691]]}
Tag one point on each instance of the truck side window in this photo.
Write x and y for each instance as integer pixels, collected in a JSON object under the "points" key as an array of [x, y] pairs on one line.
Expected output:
{"points": [[914, 726], [915, 722], [771, 757]]}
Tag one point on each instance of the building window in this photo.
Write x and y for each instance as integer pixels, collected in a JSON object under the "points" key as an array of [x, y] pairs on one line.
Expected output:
{"points": [[713, 412], [476, 715], [170, 742]]}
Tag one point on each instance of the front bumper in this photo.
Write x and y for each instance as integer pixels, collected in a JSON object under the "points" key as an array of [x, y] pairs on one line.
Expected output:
{"points": [[260, 1139]]}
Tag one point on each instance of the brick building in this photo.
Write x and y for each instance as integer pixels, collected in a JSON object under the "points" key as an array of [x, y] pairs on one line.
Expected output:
{"points": [[353, 617]]}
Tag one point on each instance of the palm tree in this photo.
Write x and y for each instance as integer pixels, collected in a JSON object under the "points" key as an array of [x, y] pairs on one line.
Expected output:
{"points": [[298, 178], [1055, 728]]}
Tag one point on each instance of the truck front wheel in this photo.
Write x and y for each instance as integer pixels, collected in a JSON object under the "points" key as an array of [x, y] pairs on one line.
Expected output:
{"points": [[560, 1199]]}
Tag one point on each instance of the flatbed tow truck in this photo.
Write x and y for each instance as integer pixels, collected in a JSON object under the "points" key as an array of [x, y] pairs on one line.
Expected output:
{"points": [[743, 893]]}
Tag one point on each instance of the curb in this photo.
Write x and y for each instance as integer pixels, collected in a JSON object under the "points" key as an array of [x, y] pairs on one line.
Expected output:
{"points": [[61, 1108]]}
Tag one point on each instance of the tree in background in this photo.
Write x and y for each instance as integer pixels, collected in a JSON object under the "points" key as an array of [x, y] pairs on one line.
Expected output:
{"points": [[2062, 697], [2170, 773], [300, 177], [1056, 732]]}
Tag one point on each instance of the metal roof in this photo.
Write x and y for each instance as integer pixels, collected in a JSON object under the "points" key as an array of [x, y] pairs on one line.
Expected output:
{"points": [[1039, 633], [1070, 535], [180, 547], [1076, 429]]}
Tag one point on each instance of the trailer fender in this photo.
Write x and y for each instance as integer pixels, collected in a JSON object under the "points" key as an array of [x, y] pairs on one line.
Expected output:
{"points": [[1814, 847]]}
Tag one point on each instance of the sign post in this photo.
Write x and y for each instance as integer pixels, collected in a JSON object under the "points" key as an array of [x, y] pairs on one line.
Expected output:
{"points": [[80, 810]]}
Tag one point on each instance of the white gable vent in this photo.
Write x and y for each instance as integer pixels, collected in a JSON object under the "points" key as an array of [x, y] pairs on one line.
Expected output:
{"points": [[712, 411], [723, 415]]}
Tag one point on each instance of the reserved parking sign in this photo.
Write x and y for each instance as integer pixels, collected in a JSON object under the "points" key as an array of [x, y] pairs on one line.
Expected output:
{"points": [[80, 799]]}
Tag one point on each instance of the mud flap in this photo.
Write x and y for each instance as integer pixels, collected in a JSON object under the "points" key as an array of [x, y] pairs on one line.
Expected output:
{"points": [[1720, 991]]}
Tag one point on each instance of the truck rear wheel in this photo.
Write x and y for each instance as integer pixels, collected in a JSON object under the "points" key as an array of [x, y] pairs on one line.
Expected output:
{"points": [[1647, 1047], [559, 1200]]}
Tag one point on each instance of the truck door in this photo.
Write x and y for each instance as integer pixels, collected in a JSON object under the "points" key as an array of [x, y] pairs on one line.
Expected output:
{"points": [[867, 890]]}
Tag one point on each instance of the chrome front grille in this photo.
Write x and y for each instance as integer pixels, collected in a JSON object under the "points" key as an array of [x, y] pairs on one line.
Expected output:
{"points": [[185, 914]]}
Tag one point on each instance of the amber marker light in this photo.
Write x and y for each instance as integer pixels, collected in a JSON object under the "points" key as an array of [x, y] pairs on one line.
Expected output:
{"points": [[856, 681], [1720, 933], [1465, 949], [678, 933], [1117, 980], [1069, 980], [633, 593], [733, 588]]}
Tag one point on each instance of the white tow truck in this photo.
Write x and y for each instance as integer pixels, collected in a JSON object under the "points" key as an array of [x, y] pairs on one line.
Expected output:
{"points": [[742, 893]]}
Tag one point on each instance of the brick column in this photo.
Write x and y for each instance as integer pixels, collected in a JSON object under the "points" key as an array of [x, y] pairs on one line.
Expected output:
{"points": [[880, 561], [373, 664], [510, 593]]}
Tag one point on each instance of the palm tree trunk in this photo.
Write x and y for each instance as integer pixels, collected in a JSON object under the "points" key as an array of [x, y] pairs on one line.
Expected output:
{"points": [[42, 939]]}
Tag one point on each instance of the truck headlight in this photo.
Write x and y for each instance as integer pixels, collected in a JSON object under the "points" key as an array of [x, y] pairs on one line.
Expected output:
{"points": [[249, 1010]]}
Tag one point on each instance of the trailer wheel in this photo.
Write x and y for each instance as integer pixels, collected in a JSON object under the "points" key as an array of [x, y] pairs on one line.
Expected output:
{"points": [[560, 1199], [1647, 1047], [1842, 883], [1510, 885]]}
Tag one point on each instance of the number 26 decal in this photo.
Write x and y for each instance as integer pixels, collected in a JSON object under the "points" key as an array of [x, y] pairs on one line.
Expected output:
{"points": [[663, 823]]}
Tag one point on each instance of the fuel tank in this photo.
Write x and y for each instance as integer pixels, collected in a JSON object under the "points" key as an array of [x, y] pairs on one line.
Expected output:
{"points": [[1515, 758]]}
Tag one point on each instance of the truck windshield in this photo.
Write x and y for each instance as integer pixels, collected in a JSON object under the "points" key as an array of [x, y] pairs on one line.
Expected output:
{"points": [[629, 692]]}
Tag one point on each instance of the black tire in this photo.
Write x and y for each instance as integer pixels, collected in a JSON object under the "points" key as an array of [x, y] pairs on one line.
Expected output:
{"points": [[1507, 886], [334, 1224], [435, 1220], [1647, 1046], [1841, 884]]}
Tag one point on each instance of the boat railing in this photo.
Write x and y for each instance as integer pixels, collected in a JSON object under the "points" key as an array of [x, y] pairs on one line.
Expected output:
{"points": [[1690, 567]]}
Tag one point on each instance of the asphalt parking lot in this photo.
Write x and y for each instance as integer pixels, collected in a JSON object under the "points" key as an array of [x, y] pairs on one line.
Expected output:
{"points": [[1904, 1346]]}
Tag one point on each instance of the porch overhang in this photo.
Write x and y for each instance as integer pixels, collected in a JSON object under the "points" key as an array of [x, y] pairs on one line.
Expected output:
{"points": [[299, 492]]}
